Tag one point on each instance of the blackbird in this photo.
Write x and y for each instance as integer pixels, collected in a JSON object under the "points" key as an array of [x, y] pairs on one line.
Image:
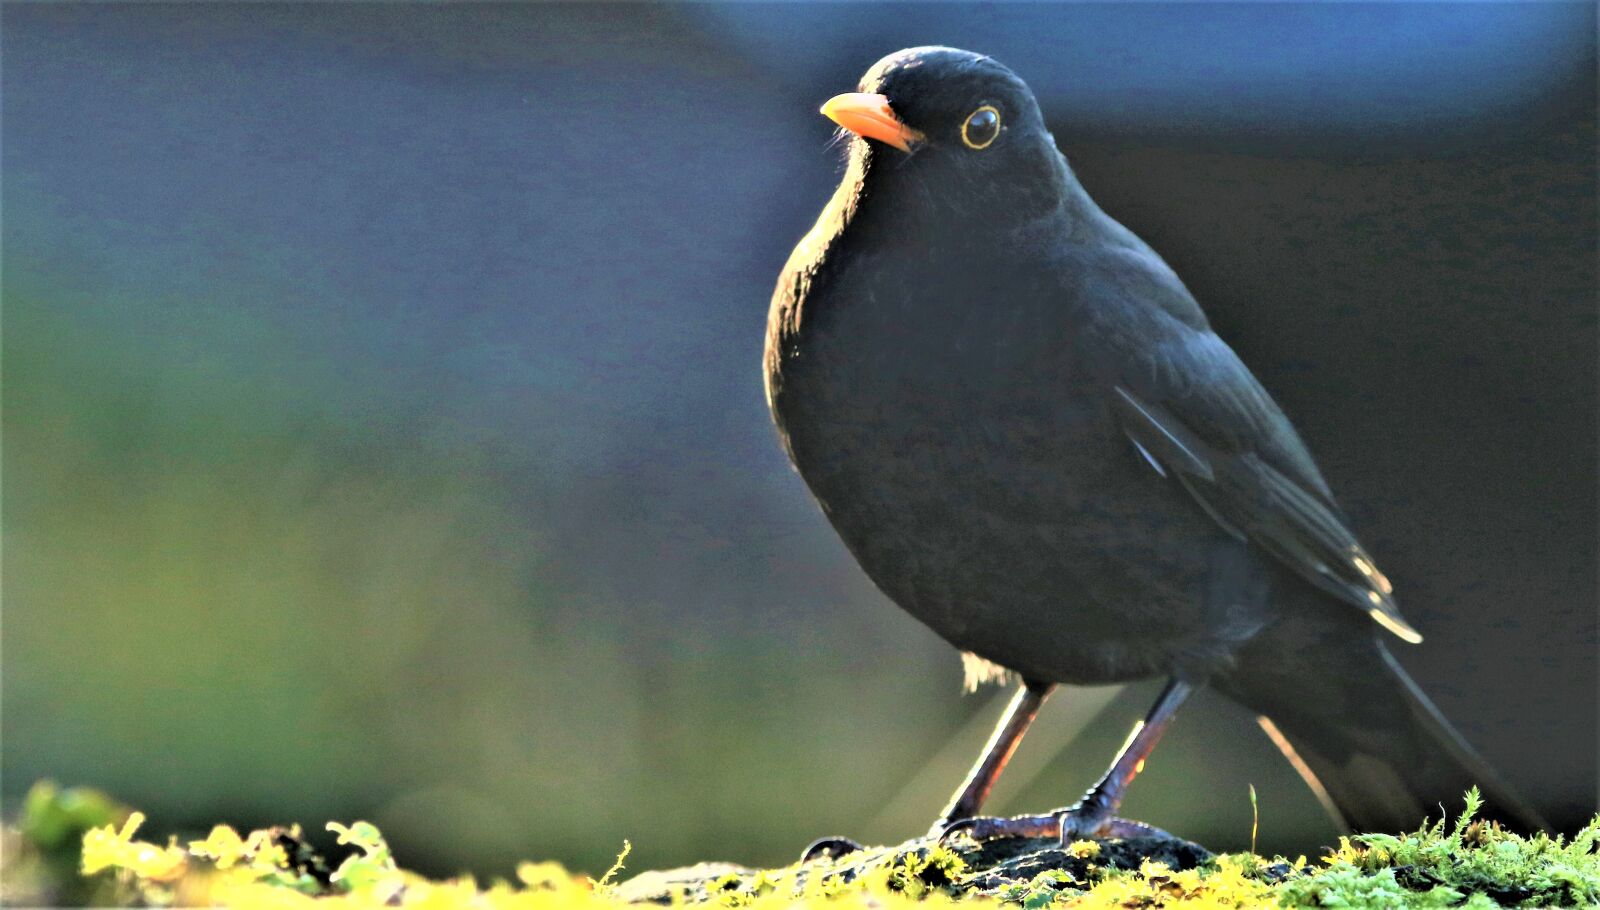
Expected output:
{"points": [[1025, 430]]}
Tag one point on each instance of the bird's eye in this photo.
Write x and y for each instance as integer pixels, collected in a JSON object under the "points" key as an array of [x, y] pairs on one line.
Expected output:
{"points": [[981, 128]]}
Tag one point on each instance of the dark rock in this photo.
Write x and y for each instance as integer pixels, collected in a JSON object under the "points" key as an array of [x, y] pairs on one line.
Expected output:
{"points": [[989, 868]]}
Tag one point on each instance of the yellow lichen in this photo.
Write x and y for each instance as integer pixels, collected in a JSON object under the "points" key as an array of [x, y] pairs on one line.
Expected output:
{"points": [[110, 848], [1083, 849]]}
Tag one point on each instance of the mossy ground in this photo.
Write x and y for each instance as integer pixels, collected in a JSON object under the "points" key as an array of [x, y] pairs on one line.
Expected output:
{"points": [[79, 847]]}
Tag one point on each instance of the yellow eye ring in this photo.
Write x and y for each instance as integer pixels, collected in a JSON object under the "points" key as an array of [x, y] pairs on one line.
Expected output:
{"points": [[978, 131]]}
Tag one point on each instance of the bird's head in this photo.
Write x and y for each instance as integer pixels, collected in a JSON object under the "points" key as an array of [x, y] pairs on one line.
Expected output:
{"points": [[950, 132]]}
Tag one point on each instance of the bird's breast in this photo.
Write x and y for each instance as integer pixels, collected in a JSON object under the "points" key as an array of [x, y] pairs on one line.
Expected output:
{"points": [[973, 467], [915, 347]]}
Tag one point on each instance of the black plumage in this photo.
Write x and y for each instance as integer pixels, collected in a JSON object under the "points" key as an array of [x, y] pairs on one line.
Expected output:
{"points": [[1021, 424]]}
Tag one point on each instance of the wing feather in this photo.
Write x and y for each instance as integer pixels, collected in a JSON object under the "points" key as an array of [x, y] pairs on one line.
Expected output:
{"points": [[1255, 501], [1196, 413]]}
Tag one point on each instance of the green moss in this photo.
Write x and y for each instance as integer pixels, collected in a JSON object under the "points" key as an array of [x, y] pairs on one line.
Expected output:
{"points": [[1440, 866]]}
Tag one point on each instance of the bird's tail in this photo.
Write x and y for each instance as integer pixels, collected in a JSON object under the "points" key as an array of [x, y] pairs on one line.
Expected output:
{"points": [[1361, 733]]}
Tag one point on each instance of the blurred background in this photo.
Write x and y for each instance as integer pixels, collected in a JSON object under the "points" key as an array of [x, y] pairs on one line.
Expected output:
{"points": [[384, 433]]}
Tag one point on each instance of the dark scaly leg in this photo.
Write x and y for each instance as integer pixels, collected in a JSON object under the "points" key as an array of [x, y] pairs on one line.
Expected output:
{"points": [[1095, 813], [1002, 744]]}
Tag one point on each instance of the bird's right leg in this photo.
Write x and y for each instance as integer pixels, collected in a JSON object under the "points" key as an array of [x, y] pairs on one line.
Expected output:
{"points": [[1002, 744]]}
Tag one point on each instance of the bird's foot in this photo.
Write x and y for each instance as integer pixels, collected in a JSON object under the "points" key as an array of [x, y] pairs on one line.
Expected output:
{"points": [[1086, 819], [1075, 818], [983, 828], [1119, 828], [829, 848]]}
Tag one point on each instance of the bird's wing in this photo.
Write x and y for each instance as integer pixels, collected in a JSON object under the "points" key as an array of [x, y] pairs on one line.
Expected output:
{"points": [[1198, 415]]}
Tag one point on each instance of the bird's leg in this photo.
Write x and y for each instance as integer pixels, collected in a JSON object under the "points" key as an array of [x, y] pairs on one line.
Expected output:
{"points": [[1094, 814], [1002, 744]]}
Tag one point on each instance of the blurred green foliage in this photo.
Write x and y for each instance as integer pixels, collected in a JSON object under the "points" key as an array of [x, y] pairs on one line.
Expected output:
{"points": [[41, 854]]}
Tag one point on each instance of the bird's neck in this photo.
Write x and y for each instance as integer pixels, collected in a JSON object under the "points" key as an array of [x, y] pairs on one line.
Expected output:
{"points": [[1083, 218]]}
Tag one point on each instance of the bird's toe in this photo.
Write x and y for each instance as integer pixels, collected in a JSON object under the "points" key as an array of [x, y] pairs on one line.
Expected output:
{"points": [[1113, 827], [829, 848], [986, 828]]}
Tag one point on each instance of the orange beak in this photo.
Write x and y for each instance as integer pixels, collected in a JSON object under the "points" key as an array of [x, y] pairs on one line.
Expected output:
{"points": [[870, 116]]}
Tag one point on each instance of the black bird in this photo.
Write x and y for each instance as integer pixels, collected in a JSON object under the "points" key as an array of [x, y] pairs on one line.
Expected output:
{"points": [[1024, 429]]}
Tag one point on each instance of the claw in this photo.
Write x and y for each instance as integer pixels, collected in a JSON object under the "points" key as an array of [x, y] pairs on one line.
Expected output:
{"points": [[829, 848], [946, 829]]}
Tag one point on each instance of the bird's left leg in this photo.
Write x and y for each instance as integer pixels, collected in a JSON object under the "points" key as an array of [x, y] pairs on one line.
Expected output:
{"points": [[1095, 813], [1024, 707]]}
